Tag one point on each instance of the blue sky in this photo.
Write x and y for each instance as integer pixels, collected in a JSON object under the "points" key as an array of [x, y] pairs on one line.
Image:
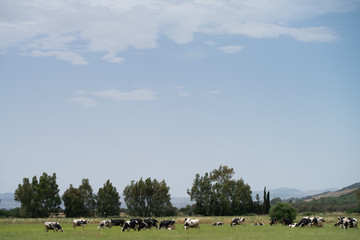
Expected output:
{"points": [[166, 89]]}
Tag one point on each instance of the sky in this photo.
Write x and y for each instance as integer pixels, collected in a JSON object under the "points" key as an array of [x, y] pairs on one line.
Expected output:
{"points": [[166, 89]]}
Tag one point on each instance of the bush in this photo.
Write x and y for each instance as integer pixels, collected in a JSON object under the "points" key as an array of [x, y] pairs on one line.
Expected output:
{"points": [[283, 210]]}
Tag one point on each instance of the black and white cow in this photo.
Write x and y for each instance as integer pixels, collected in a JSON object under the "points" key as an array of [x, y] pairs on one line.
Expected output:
{"points": [[117, 222], [191, 223], [237, 221], [151, 222], [132, 224], [305, 221], [317, 221], [167, 224], [311, 221], [287, 222], [105, 224], [80, 222], [258, 224], [217, 224], [274, 220], [53, 226], [347, 222]]}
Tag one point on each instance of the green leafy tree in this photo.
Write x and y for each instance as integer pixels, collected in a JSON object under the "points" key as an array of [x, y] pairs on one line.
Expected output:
{"points": [[88, 197], [218, 194], [148, 198], [25, 195], [275, 201], [108, 200], [73, 202], [242, 200], [283, 210], [201, 192], [257, 205], [38, 198], [47, 192], [266, 203]]}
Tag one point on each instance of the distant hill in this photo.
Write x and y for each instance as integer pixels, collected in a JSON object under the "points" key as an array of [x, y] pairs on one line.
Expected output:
{"points": [[7, 201], [180, 202], [337, 193], [287, 193], [341, 200]]}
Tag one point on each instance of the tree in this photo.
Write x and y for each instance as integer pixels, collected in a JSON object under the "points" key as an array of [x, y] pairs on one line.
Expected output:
{"points": [[218, 194], [108, 200], [148, 198], [73, 202], [266, 203], [257, 205], [283, 210], [201, 193], [88, 198], [25, 195], [47, 195], [275, 201], [38, 199]]}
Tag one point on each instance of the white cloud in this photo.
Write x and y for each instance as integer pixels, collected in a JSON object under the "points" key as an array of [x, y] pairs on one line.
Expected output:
{"points": [[231, 49], [116, 95], [111, 57], [66, 28], [65, 56], [83, 101], [87, 98]]}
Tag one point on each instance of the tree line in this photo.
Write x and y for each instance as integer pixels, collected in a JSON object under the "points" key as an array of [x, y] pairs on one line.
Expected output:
{"points": [[216, 194]]}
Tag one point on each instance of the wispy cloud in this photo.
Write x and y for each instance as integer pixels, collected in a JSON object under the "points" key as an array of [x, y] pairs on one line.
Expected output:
{"points": [[90, 98], [65, 56], [82, 101], [116, 95], [231, 49], [215, 91], [65, 29], [111, 57]]}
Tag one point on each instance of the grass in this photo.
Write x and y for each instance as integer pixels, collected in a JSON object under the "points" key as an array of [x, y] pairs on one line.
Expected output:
{"points": [[34, 229]]}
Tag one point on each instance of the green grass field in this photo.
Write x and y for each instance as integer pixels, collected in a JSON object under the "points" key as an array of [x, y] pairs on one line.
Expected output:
{"points": [[34, 229]]}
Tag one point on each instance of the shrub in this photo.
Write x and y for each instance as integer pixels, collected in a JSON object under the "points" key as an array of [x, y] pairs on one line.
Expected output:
{"points": [[283, 210]]}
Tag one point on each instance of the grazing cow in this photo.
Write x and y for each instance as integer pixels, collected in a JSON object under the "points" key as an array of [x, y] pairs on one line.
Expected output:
{"points": [[217, 224], [347, 222], [258, 224], [317, 221], [339, 221], [191, 223], [53, 226], [274, 220], [305, 221], [167, 224], [105, 224], [80, 222], [117, 222], [151, 222], [237, 221], [132, 224], [287, 222]]}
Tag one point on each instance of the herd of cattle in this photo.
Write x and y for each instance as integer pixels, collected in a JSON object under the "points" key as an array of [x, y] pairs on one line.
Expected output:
{"points": [[148, 223]]}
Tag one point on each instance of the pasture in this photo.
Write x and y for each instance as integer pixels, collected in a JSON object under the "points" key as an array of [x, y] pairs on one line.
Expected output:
{"points": [[34, 229]]}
